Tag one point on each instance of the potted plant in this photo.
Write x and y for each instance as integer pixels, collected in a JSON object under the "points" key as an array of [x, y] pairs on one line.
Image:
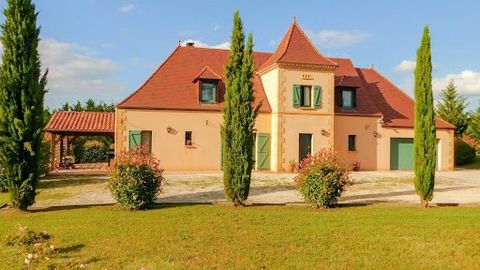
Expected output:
{"points": [[356, 166]]}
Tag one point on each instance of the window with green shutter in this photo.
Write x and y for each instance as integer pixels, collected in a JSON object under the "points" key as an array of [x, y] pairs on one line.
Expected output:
{"points": [[138, 138], [134, 138], [296, 95], [317, 96]]}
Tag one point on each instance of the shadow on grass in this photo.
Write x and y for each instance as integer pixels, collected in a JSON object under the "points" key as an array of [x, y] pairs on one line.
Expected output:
{"points": [[398, 193], [69, 249]]}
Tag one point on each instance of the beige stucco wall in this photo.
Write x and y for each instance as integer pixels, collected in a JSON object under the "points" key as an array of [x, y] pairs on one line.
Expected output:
{"points": [[445, 146], [366, 142], [373, 152], [170, 147], [287, 122]]}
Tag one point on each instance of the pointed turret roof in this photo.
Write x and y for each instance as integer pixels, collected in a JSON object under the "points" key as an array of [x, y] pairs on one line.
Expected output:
{"points": [[296, 48]]}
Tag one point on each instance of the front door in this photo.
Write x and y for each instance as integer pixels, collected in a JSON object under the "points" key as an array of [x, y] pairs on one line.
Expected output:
{"points": [[305, 146]]}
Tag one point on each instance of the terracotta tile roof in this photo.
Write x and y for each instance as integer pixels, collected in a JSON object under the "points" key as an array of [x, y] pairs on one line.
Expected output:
{"points": [[470, 141], [172, 85], [380, 96], [82, 122], [296, 47], [345, 73], [208, 73]]}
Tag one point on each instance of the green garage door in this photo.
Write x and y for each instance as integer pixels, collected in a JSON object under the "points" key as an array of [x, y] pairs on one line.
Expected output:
{"points": [[401, 154]]}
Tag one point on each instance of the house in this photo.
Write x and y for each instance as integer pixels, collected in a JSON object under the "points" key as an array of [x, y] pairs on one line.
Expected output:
{"points": [[310, 101]]}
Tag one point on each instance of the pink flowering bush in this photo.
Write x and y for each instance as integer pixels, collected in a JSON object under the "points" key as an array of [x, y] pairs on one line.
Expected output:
{"points": [[136, 179], [322, 178], [37, 247]]}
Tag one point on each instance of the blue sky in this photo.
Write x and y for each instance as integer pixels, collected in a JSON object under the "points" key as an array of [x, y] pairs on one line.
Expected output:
{"points": [[105, 49]]}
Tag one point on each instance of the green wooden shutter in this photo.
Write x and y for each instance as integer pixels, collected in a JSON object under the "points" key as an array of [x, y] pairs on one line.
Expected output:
{"points": [[133, 138], [263, 151], [317, 96], [296, 95]]}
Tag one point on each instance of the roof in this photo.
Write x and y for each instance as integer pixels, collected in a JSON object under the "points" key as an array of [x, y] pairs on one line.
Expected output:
{"points": [[81, 122], [345, 73], [470, 141], [380, 96], [208, 73], [173, 85], [296, 48]]}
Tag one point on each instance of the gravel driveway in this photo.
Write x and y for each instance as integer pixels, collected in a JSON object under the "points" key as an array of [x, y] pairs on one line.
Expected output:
{"points": [[457, 187]]}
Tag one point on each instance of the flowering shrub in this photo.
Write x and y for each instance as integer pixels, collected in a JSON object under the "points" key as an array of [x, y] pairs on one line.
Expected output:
{"points": [[136, 179], [356, 165], [37, 246], [322, 178]]}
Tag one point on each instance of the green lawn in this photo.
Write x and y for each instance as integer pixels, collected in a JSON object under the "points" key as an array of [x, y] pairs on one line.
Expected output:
{"points": [[4, 197], [259, 237]]}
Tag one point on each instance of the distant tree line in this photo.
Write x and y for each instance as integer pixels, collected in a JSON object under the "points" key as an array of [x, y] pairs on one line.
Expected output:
{"points": [[88, 106]]}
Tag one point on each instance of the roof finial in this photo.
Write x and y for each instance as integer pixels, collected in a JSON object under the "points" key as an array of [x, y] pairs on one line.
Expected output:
{"points": [[179, 43], [294, 19], [373, 67]]}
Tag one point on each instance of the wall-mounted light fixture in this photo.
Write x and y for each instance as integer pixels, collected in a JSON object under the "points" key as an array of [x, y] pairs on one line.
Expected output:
{"points": [[324, 132], [375, 134]]}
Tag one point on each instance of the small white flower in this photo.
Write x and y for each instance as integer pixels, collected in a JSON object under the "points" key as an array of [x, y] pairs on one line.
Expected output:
{"points": [[52, 247], [82, 266], [47, 258], [26, 261], [30, 256]]}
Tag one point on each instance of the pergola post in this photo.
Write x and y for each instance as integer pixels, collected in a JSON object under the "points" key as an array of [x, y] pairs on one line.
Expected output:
{"points": [[61, 149], [53, 143]]}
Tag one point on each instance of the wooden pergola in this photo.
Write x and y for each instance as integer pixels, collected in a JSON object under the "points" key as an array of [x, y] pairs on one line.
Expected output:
{"points": [[64, 127]]}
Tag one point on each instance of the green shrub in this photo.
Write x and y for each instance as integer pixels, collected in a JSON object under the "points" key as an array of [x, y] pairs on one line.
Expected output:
{"points": [[464, 153], [322, 178], [136, 179], [94, 151], [3, 184]]}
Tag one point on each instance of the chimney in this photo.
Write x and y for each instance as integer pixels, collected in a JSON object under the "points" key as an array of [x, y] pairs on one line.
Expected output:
{"points": [[190, 44]]}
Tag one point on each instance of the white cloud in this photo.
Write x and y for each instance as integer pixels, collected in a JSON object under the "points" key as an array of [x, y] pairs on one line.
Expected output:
{"points": [[467, 82], [77, 73], [127, 8], [335, 38], [216, 27], [405, 66], [198, 43]]}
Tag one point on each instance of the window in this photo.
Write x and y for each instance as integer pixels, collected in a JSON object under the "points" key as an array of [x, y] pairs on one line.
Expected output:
{"points": [[208, 91], [349, 99], [305, 96], [352, 146], [188, 138], [142, 138]]}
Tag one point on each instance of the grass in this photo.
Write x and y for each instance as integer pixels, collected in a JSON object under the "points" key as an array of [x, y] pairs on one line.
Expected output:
{"points": [[474, 165], [4, 197], [261, 237]]}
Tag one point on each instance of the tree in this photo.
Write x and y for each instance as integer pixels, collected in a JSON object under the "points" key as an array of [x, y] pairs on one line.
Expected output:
{"points": [[474, 125], [22, 91], [425, 138], [238, 116], [452, 108]]}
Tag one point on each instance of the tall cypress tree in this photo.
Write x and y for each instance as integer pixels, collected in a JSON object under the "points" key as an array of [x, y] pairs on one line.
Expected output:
{"points": [[238, 116], [425, 138], [22, 90], [452, 108]]}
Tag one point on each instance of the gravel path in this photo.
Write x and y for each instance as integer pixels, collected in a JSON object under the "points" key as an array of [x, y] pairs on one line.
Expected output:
{"points": [[457, 187]]}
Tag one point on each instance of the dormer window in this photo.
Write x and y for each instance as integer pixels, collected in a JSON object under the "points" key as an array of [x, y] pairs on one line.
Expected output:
{"points": [[208, 91], [349, 99]]}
